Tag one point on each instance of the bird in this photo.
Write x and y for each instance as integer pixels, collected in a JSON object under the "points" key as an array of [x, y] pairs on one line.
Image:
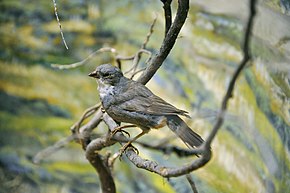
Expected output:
{"points": [[129, 101]]}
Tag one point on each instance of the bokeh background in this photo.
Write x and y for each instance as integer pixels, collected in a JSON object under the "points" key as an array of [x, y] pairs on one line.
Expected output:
{"points": [[38, 103]]}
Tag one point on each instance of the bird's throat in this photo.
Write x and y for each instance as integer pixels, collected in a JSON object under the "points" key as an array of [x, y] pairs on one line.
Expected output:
{"points": [[105, 89]]}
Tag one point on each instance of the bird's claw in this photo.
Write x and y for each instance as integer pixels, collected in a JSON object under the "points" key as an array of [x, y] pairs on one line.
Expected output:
{"points": [[124, 148], [119, 130]]}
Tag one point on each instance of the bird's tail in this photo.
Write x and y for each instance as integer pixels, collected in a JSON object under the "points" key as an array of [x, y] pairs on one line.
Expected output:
{"points": [[180, 128]]}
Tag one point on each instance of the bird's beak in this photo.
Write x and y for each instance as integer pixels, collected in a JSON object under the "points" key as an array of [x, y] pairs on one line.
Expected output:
{"points": [[94, 74]]}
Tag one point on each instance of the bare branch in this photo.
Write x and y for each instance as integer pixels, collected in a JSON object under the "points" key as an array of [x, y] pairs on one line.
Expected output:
{"points": [[136, 60], [168, 42], [152, 165], [88, 112], [136, 72], [52, 149], [246, 58], [167, 14], [59, 25], [86, 130], [101, 166], [92, 147], [163, 170], [149, 34], [191, 183], [165, 148], [85, 61]]}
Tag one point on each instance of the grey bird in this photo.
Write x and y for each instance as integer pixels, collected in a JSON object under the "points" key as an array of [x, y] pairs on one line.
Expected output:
{"points": [[129, 101]]}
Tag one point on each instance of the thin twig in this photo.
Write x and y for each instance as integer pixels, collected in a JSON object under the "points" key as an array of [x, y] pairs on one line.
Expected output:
{"points": [[136, 72], [85, 61], [88, 112], [58, 21], [136, 60], [143, 46], [76, 135], [138, 55], [52, 149], [191, 183]]}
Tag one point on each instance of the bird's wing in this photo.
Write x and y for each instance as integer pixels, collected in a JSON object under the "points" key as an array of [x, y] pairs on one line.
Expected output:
{"points": [[144, 101]]}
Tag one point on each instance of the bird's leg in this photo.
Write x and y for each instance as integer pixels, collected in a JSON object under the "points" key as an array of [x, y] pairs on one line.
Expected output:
{"points": [[120, 129], [122, 150]]}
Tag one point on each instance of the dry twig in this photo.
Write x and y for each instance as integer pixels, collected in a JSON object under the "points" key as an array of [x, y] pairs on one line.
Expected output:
{"points": [[191, 183], [85, 61], [59, 25]]}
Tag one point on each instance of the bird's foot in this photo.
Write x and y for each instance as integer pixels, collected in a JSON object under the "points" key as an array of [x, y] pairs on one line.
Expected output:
{"points": [[124, 148], [120, 129], [111, 134]]}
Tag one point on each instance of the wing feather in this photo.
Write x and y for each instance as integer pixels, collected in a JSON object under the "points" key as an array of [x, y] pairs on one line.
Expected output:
{"points": [[140, 99]]}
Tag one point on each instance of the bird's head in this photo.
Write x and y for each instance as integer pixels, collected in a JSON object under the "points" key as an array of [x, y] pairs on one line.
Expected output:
{"points": [[107, 74]]}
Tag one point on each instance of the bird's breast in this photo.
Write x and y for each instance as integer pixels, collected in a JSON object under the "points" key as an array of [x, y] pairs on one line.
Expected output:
{"points": [[105, 90]]}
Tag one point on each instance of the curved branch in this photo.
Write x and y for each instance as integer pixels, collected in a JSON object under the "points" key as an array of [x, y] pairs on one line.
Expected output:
{"points": [[168, 42], [164, 171], [85, 61], [153, 166], [167, 14], [246, 58], [101, 166], [166, 149]]}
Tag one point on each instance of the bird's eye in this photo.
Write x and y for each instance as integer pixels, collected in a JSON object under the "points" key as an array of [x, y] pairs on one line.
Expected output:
{"points": [[106, 75]]}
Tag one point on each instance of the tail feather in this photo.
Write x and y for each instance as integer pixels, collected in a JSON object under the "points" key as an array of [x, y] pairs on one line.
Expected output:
{"points": [[180, 128]]}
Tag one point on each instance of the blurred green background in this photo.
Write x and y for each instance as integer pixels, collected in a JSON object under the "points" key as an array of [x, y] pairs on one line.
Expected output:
{"points": [[38, 104]]}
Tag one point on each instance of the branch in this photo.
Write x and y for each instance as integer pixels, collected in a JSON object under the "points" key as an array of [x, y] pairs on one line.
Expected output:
{"points": [[166, 149], [149, 34], [167, 14], [136, 58], [86, 130], [85, 61], [101, 166], [52, 149], [191, 183], [168, 42], [153, 166], [88, 112], [246, 58], [96, 160]]}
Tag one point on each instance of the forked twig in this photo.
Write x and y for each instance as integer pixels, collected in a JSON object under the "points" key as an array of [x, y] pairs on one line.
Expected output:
{"points": [[88, 112]]}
